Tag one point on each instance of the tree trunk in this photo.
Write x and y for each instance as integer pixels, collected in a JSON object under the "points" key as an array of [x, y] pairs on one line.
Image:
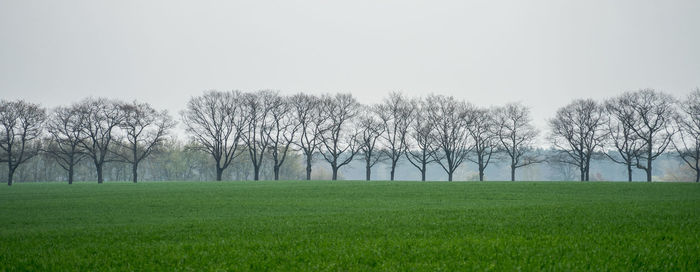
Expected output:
{"points": [[135, 165], [393, 168], [480, 163], [588, 169], [134, 171], [308, 167], [100, 179], [219, 172], [648, 171], [629, 172], [449, 176], [277, 171], [10, 173], [422, 172], [649, 162], [335, 172], [697, 168], [368, 171], [70, 173], [481, 170], [256, 170], [512, 172], [697, 162]]}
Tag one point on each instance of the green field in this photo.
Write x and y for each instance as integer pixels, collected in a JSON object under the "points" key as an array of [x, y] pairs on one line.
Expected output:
{"points": [[323, 225]]}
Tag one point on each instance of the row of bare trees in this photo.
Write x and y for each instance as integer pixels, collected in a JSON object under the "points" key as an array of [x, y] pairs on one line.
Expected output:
{"points": [[265, 125], [435, 129], [88, 129], [639, 126]]}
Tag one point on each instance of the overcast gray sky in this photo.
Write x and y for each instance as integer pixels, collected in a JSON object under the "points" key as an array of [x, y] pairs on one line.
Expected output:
{"points": [[542, 53]]}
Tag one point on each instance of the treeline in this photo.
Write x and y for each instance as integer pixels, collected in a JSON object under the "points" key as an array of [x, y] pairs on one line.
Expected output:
{"points": [[174, 161], [265, 135]]}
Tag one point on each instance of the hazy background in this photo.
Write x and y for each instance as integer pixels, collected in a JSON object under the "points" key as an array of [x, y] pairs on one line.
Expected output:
{"points": [[543, 53]]}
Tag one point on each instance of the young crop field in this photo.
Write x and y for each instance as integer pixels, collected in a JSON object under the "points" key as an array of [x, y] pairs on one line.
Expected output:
{"points": [[350, 225]]}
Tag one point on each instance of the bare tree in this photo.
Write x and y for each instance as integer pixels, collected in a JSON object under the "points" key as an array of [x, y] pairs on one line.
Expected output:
{"points": [[483, 132], [652, 114], [420, 149], [20, 127], [577, 131], [620, 134], [687, 142], [282, 130], [370, 129], [145, 129], [101, 116], [215, 122], [450, 134], [65, 129], [258, 106], [396, 112], [339, 145], [307, 112], [516, 135]]}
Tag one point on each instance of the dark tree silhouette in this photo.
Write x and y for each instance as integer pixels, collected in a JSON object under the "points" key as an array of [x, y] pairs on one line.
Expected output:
{"points": [[396, 113], [145, 130], [420, 149], [652, 114], [258, 106], [282, 130], [65, 129], [578, 131], [516, 136], [370, 128], [483, 132], [215, 121], [687, 142], [307, 112], [101, 117], [20, 127], [339, 145], [449, 117], [620, 134]]}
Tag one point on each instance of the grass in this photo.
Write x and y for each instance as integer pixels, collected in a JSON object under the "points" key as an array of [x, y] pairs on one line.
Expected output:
{"points": [[360, 226]]}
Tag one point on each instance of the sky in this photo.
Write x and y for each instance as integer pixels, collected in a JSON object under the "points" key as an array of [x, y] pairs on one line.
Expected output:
{"points": [[541, 53]]}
